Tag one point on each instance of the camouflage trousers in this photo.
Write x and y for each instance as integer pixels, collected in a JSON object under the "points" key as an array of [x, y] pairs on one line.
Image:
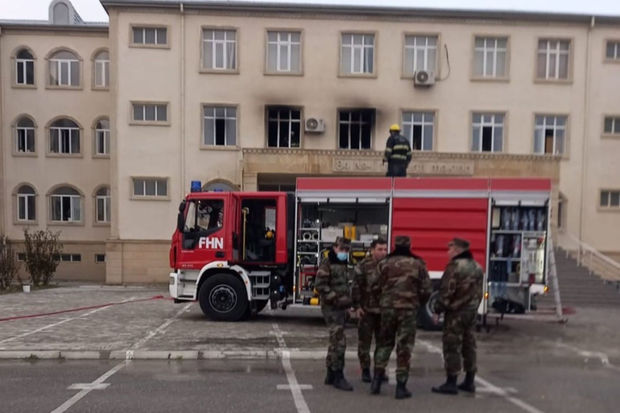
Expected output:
{"points": [[368, 327], [458, 339], [397, 327], [335, 319]]}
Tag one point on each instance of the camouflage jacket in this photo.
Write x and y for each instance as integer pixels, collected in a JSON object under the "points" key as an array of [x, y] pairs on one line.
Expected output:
{"points": [[403, 281], [461, 285], [366, 276], [332, 282]]}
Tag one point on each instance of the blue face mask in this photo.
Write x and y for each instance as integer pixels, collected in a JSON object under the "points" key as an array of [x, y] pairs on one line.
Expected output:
{"points": [[343, 256]]}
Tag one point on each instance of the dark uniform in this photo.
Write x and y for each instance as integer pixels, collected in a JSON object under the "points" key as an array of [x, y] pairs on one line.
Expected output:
{"points": [[404, 285], [332, 283], [397, 154], [459, 297], [366, 276]]}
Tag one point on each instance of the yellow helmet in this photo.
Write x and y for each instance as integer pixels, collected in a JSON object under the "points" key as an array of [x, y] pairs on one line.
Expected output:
{"points": [[395, 127]]}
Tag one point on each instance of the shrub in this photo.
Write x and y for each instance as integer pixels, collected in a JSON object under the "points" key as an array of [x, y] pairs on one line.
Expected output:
{"points": [[42, 254], [9, 266]]}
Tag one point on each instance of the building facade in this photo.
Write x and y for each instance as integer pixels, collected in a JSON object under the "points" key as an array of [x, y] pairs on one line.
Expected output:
{"points": [[248, 97]]}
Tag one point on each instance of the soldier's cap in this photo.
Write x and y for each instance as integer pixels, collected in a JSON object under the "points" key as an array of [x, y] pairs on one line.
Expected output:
{"points": [[459, 243], [342, 242], [402, 241]]}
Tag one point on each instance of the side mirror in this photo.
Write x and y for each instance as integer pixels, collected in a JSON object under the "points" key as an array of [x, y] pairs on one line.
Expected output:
{"points": [[180, 217]]}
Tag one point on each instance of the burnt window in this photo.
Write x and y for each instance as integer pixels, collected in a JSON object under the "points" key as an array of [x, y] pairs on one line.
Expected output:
{"points": [[355, 128]]}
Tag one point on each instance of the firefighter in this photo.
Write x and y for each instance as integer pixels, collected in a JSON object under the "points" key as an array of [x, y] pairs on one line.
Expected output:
{"points": [[460, 294], [332, 283], [397, 152], [366, 303]]}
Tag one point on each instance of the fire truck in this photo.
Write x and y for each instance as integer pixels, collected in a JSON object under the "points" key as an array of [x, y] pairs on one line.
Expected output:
{"points": [[234, 252]]}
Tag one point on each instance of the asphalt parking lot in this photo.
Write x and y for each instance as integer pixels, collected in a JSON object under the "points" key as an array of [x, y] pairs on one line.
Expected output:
{"points": [[145, 353]]}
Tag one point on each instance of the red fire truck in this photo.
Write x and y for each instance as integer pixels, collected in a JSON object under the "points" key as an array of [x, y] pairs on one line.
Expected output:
{"points": [[236, 251]]}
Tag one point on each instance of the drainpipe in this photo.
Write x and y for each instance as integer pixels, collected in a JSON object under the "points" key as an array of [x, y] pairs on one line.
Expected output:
{"points": [[182, 103], [584, 143]]}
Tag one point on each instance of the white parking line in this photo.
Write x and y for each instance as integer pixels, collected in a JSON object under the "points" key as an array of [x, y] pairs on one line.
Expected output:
{"points": [[587, 355], [298, 397], [489, 387], [159, 329], [66, 405], [38, 330]]}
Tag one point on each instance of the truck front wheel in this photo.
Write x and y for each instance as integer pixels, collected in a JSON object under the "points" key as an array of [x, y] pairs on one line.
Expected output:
{"points": [[223, 297], [425, 314]]}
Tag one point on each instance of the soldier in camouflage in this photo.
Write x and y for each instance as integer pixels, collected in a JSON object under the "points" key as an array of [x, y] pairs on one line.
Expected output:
{"points": [[366, 303], [332, 283], [460, 294], [405, 286]]}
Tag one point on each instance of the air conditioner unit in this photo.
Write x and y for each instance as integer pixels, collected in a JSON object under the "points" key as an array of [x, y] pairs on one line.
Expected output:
{"points": [[315, 125], [423, 78]]}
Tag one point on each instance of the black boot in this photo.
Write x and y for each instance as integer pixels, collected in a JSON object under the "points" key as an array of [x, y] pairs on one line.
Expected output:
{"points": [[340, 382], [329, 378], [449, 387], [366, 375], [375, 386], [401, 390], [468, 384]]}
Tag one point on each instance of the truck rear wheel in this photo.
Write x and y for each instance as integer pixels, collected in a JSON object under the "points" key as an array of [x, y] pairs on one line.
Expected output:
{"points": [[223, 297], [426, 314]]}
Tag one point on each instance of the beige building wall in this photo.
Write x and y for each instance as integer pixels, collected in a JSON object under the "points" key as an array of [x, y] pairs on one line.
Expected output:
{"points": [[136, 243]]}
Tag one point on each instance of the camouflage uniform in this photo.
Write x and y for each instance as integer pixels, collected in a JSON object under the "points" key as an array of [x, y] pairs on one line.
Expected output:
{"points": [[404, 284], [366, 276], [459, 297], [332, 283]]}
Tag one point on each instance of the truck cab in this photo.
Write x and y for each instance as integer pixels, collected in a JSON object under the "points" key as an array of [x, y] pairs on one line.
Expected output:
{"points": [[230, 251]]}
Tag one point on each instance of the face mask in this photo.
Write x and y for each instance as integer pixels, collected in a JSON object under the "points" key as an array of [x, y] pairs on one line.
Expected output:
{"points": [[343, 256]]}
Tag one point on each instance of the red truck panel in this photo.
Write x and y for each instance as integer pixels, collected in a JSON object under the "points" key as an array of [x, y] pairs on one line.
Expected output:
{"points": [[520, 184], [441, 184], [433, 222], [344, 184]]}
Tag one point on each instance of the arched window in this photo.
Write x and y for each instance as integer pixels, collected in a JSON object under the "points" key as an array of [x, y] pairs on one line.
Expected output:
{"points": [[24, 135], [24, 67], [26, 206], [64, 137], [102, 70], [102, 137], [60, 14], [66, 205], [64, 69], [219, 186], [102, 198]]}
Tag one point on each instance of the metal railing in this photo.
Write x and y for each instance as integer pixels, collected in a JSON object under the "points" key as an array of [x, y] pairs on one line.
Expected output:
{"points": [[589, 257]]}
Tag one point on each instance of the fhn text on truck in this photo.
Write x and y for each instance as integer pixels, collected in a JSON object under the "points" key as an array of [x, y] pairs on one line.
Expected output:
{"points": [[236, 251]]}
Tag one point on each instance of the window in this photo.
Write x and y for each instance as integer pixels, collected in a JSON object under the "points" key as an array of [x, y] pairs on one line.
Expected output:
{"points": [[613, 50], [102, 205], [26, 209], [150, 112], [283, 127], [420, 54], [68, 257], [102, 70], [418, 128], [553, 59], [490, 57], [65, 137], [61, 14], [150, 36], [355, 128], [219, 49], [220, 126], [21, 256], [66, 205], [150, 187], [24, 135], [64, 69], [102, 137], [612, 125], [549, 134], [487, 132], [283, 52], [99, 258], [24, 68], [610, 199], [357, 54]]}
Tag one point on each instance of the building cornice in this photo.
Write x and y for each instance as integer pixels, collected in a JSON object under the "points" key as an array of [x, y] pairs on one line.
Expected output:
{"points": [[358, 10], [8, 25]]}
